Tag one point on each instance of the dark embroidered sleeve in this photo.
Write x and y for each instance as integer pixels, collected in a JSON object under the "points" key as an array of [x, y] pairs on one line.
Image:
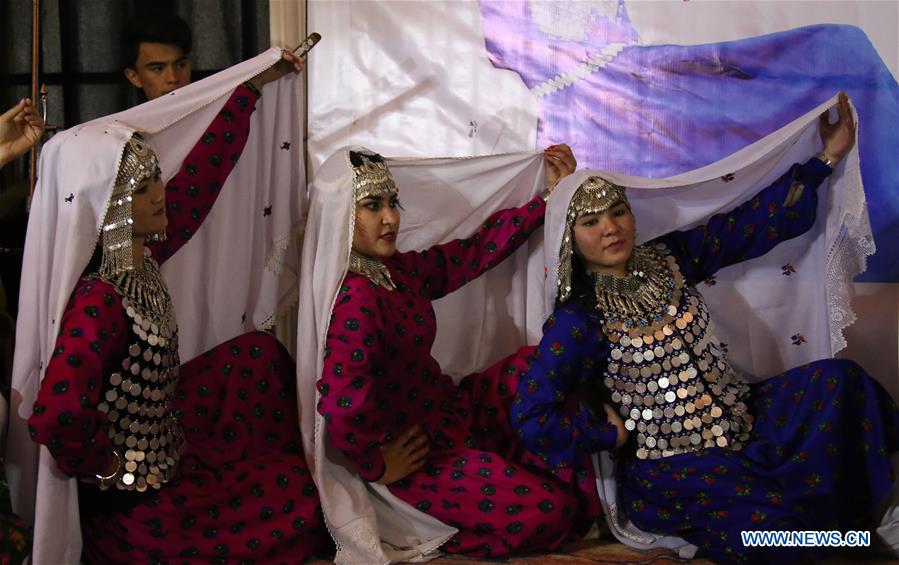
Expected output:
{"points": [[550, 421], [347, 385], [91, 344], [190, 194], [753, 228]]}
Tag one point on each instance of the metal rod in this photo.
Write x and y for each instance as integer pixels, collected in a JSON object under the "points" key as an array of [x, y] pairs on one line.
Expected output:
{"points": [[43, 103]]}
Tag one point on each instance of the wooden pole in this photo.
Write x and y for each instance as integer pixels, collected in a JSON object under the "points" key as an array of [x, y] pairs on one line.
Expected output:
{"points": [[35, 71]]}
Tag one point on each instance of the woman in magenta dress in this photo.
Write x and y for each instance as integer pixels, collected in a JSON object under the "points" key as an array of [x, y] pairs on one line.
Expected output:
{"points": [[444, 449], [701, 453], [197, 462]]}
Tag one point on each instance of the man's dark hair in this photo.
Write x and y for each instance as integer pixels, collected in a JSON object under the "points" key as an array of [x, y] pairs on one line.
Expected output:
{"points": [[153, 27]]}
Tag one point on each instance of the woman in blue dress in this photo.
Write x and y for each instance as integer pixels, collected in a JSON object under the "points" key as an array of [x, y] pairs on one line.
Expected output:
{"points": [[629, 363]]}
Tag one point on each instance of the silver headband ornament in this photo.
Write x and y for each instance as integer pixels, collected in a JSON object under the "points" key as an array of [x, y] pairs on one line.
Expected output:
{"points": [[138, 164]]}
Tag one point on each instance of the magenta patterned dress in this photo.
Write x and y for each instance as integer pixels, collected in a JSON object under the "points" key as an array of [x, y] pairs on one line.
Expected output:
{"points": [[242, 491], [379, 378]]}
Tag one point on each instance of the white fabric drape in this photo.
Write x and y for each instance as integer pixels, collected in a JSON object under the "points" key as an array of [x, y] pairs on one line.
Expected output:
{"points": [[287, 28], [488, 318], [230, 277]]}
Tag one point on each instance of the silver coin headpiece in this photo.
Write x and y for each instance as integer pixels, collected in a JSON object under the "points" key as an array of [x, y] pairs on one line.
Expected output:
{"points": [[371, 177]]}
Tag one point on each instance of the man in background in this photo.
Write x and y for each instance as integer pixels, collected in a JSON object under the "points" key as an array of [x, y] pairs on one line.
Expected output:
{"points": [[155, 53]]}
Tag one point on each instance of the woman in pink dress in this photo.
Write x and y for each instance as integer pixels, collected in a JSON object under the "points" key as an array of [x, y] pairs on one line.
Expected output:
{"points": [[445, 449], [173, 462]]}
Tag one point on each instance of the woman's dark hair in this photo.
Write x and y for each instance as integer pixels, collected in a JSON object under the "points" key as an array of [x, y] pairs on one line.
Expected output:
{"points": [[593, 393], [153, 27], [581, 285], [356, 158], [93, 266]]}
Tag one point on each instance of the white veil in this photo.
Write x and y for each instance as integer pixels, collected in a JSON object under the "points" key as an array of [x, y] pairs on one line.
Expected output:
{"points": [[757, 302]]}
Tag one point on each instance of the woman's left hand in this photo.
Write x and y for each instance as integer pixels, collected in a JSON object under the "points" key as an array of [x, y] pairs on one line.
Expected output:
{"points": [[615, 420], [560, 163], [838, 137], [288, 63]]}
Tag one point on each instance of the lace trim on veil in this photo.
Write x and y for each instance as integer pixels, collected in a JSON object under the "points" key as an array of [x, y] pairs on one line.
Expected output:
{"points": [[847, 256]]}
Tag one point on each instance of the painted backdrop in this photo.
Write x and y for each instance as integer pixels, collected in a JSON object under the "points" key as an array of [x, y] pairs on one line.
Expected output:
{"points": [[645, 88]]}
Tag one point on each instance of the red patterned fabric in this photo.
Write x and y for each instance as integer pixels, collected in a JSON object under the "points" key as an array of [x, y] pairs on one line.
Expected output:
{"points": [[243, 492]]}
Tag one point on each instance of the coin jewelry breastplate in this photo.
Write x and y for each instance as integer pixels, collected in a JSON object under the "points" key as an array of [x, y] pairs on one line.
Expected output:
{"points": [[144, 432], [666, 369]]}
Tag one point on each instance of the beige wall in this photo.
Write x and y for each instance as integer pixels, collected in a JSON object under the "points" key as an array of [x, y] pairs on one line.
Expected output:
{"points": [[287, 22]]}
